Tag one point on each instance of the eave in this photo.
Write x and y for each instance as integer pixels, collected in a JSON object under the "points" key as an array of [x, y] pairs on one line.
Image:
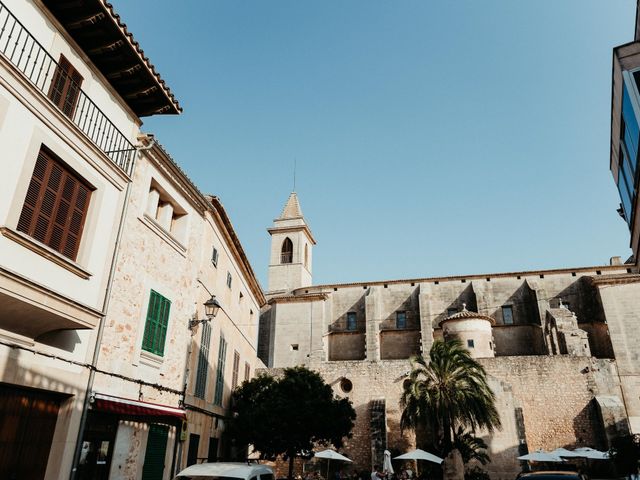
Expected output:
{"points": [[104, 38]]}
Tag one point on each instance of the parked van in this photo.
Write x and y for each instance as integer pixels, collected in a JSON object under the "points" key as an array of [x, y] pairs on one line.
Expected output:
{"points": [[226, 471]]}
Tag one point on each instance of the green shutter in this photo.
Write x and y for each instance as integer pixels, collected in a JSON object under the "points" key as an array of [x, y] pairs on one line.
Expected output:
{"points": [[155, 453], [203, 361], [155, 328], [222, 353]]}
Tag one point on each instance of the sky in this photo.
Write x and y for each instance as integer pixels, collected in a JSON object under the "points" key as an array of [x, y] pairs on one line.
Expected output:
{"points": [[430, 137]]}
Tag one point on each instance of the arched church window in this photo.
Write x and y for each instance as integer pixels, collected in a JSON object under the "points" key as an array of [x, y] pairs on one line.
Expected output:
{"points": [[286, 255], [306, 256]]}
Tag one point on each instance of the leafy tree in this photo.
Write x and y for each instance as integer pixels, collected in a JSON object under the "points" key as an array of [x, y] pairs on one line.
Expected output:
{"points": [[288, 415], [448, 391]]}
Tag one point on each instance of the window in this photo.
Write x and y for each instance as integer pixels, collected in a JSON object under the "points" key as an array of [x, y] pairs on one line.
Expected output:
{"points": [[247, 371], [203, 361], [155, 328], [229, 279], [401, 320], [507, 314], [55, 207], [236, 367], [470, 343], [214, 257], [452, 311], [286, 255], [351, 321], [294, 347], [222, 355], [65, 87]]}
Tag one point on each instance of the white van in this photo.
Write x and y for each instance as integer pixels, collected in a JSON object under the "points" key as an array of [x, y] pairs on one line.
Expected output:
{"points": [[226, 471]]}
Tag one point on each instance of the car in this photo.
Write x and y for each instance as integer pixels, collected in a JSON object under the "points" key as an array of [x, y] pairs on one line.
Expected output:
{"points": [[552, 475], [226, 471]]}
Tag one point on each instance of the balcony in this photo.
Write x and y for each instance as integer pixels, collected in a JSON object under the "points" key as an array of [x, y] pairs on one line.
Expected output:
{"points": [[61, 84]]}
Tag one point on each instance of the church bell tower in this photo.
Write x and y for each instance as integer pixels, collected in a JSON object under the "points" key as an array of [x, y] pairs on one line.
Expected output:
{"points": [[291, 249]]}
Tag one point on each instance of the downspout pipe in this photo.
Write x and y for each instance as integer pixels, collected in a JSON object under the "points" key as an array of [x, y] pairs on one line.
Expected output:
{"points": [[105, 307]]}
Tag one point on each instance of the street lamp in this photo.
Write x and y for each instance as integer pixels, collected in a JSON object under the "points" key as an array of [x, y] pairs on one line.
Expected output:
{"points": [[211, 308]]}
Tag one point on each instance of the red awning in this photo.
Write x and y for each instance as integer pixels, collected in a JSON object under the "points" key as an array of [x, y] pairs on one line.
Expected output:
{"points": [[136, 408]]}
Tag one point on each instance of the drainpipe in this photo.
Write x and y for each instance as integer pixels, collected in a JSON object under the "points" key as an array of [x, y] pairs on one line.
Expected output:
{"points": [[105, 307]]}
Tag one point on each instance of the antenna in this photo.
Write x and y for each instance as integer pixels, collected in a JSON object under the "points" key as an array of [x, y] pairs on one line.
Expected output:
{"points": [[294, 174]]}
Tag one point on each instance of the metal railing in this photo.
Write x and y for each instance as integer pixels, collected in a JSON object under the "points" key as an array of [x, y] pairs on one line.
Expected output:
{"points": [[30, 57]]}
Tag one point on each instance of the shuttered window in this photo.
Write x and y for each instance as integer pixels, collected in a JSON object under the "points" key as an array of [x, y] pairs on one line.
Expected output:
{"points": [[55, 206], [247, 371], [155, 329], [203, 361], [65, 87], [236, 367], [222, 355]]}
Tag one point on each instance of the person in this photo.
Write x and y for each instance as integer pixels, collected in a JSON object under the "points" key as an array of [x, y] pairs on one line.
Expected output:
{"points": [[377, 473]]}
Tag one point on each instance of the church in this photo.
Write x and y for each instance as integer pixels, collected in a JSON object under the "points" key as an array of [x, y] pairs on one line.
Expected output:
{"points": [[560, 346]]}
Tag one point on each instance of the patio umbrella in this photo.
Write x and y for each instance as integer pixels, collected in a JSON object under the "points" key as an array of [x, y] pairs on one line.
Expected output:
{"points": [[563, 452], [386, 466], [541, 456], [419, 454], [592, 453], [331, 455]]}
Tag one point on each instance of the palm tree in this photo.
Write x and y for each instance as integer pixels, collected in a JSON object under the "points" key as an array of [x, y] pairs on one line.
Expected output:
{"points": [[447, 392]]}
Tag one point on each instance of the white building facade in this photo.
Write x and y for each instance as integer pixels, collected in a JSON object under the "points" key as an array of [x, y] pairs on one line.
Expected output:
{"points": [[69, 128]]}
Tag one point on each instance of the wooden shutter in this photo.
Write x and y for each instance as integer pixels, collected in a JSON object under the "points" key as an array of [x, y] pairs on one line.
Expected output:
{"points": [[236, 366], [55, 207], [222, 353], [155, 452], [247, 371], [155, 328], [65, 87], [203, 361]]}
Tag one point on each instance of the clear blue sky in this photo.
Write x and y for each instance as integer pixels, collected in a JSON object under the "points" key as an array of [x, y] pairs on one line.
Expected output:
{"points": [[432, 137]]}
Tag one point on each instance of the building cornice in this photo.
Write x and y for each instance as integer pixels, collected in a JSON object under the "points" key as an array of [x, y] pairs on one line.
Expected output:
{"points": [[483, 276]]}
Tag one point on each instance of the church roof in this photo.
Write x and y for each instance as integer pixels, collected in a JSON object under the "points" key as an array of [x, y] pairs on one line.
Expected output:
{"points": [[292, 208], [466, 314]]}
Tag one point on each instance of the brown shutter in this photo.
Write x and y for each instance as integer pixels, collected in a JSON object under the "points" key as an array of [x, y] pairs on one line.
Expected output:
{"points": [[65, 87], [55, 206]]}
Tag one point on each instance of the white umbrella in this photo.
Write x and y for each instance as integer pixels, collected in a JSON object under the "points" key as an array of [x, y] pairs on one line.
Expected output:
{"points": [[418, 454], [386, 466], [563, 452], [331, 455], [541, 456], [592, 453]]}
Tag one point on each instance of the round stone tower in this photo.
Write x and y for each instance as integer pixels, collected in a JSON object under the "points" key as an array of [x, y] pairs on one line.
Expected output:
{"points": [[473, 330]]}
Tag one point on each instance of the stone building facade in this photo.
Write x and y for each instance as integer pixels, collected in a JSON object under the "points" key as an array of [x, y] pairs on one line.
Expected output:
{"points": [[69, 135], [556, 345], [166, 369]]}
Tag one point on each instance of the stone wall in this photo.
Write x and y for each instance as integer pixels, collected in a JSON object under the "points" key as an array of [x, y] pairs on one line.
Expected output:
{"points": [[544, 402]]}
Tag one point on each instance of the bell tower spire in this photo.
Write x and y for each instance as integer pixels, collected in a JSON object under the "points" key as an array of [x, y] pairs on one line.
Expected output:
{"points": [[291, 249]]}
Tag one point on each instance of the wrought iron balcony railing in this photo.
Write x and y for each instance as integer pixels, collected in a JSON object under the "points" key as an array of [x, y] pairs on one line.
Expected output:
{"points": [[57, 83]]}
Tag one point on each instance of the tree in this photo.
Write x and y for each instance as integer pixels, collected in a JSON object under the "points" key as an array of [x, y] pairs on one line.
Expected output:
{"points": [[470, 447], [288, 415], [447, 392]]}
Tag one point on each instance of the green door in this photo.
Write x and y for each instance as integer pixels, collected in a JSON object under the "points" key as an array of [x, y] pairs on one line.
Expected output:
{"points": [[156, 449]]}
